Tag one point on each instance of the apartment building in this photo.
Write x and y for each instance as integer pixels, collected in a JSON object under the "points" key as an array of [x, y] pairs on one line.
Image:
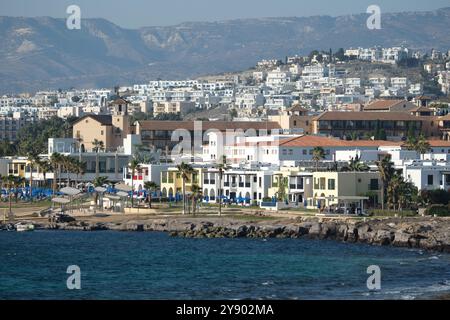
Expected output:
{"points": [[11, 124], [177, 107], [396, 125], [352, 188]]}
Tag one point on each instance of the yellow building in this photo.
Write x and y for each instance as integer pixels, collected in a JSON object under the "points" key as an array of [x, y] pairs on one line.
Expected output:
{"points": [[18, 167], [297, 184], [172, 183], [332, 189]]}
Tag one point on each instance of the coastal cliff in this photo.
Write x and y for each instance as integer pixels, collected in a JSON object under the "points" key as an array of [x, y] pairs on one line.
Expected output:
{"points": [[424, 233]]}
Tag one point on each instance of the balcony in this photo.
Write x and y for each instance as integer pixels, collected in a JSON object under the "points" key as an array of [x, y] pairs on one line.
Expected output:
{"points": [[226, 184]]}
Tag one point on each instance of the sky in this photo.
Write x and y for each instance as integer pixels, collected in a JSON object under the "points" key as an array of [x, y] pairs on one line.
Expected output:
{"points": [[139, 13]]}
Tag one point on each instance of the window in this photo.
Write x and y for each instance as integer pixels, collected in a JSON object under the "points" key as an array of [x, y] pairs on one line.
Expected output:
{"points": [[101, 132], [430, 179], [373, 184], [304, 151], [295, 122], [331, 184]]}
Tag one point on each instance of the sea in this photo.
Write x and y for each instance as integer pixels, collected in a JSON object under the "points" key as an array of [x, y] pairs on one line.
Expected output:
{"points": [[102, 265]]}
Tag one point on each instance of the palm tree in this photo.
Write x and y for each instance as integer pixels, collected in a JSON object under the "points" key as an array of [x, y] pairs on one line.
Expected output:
{"points": [[221, 166], [356, 164], [317, 155], [45, 167], [422, 146], [98, 146], [150, 186], [79, 169], [185, 171], [385, 166], [196, 194], [393, 188], [133, 166], [12, 183], [99, 182], [68, 165], [55, 162], [33, 160], [411, 142], [9, 182]]}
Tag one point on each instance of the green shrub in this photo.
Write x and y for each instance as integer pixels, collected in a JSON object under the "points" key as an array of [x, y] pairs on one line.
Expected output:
{"points": [[439, 210]]}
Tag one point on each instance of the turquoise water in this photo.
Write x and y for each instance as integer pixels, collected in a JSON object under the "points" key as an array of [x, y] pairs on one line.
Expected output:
{"points": [[133, 265]]}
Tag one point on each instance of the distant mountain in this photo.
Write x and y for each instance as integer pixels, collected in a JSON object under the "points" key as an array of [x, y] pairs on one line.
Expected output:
{"points": [[41, 53]]}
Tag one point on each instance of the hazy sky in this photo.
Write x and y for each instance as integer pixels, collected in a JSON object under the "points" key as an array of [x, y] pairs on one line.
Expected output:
{"points": [[138, 13]]}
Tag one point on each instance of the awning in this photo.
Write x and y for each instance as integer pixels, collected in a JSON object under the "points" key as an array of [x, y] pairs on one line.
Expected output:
{"points": [[70, 191], [100, 189], [122, 194]]}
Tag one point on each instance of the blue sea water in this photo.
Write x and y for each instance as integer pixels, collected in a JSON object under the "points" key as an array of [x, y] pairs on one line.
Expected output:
{"points": [[151, 265]]}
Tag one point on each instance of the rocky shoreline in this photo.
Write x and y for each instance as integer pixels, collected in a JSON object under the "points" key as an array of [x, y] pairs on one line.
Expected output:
{"points": [[424, 233]]}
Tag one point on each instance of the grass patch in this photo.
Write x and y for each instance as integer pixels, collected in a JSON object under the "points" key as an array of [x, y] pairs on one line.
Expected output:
{"points": [[21, 204]]}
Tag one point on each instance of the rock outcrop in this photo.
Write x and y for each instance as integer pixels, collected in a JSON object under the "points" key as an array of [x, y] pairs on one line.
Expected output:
{"points": [[424, 232]]}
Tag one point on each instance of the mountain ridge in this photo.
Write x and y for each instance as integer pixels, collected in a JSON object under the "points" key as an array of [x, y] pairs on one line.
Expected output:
{"points": [[40, 53]]}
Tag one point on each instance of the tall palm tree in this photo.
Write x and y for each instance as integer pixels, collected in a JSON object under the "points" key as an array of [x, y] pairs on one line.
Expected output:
{"points": [[44, 167], [98, 146], [150, 186], [196, 194], [68, 164], [79, 169], [186, 172], [393, 190], [133, 166], [317, 155], [33, 160], [55, 162], [221, 166], [386, 168], [10, 182]]}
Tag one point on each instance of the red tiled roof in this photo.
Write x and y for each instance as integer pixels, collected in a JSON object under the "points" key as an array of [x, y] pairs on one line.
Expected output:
{"points": [[383, 104], [360, 115], [319, 141]]}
